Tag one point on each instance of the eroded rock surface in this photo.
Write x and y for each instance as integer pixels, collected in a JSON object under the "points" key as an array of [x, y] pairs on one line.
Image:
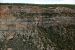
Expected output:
{"points": [[26, 27]]}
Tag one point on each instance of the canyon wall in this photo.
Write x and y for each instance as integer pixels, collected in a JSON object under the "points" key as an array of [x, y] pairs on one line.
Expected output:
{"points": [[27, 27]]}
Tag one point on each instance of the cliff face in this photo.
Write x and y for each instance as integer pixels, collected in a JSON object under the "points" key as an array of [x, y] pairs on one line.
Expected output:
{"points": [[26, 27]]}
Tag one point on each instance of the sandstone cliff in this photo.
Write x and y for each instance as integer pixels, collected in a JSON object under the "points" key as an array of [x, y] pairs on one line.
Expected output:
{"points": [[28, 27]]}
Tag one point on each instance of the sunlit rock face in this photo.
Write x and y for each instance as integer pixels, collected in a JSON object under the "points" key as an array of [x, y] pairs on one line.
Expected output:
{"points": [[33, 27]]}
